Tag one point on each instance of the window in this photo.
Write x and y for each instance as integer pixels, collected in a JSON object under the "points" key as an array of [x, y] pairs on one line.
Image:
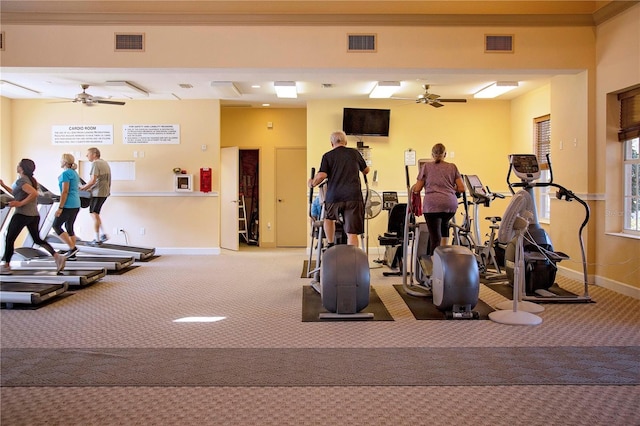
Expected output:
{"points": [[542, 147], [629, 135], [631, 184]]}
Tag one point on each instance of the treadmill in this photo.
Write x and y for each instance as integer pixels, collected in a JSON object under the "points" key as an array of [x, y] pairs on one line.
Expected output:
{"points": [[77, 277], [38, 260], [72, 277], [103, 249], [12, 292], [29, 257], [138, 253], [30, 293]]}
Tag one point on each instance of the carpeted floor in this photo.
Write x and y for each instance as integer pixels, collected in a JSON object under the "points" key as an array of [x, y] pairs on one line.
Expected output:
{"points": [[610, 365], [114, 353]]}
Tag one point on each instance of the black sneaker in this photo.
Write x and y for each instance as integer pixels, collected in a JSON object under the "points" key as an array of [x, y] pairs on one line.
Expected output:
{"points": [[71, 254]]}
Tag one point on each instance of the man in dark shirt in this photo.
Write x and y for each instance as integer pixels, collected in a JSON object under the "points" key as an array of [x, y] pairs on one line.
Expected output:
{"points": [[342, 167]]}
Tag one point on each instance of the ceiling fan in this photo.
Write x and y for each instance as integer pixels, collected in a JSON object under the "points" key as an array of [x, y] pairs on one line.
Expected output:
{"points": [[88, 100], [433, 99]]}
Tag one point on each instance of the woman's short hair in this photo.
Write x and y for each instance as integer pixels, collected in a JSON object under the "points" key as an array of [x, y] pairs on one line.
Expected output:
{"points": [[68, 159]]}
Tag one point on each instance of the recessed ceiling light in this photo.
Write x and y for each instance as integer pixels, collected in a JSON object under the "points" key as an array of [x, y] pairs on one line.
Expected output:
{"points": [[266, 105], [255, 86]]}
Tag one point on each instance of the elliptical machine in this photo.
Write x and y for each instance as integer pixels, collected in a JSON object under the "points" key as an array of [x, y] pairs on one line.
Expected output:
{"points": [[341, 274], [540, 259], [450, 276]]}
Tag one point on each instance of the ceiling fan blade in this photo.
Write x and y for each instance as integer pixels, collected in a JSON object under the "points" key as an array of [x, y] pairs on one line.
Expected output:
{"points": [[102, 101], [436, 104], [432, 96], [452, 100]]}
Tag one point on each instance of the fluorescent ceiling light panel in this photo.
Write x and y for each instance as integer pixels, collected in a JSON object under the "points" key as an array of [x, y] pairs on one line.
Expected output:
{"points": [[127, 89], [225, 89], [384, 89], [286, 89], [7, 88], [496, 89]]}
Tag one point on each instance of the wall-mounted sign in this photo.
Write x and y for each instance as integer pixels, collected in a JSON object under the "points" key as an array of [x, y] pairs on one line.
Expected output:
{"points": [[151, 134], [82, 134]]}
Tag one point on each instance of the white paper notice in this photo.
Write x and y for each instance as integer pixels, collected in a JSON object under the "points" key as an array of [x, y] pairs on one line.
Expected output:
{"points": [[82, 134], [151, 134]]}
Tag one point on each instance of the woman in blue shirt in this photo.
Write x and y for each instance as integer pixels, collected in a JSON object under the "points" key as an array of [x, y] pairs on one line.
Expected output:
{"points": [[69, 206]]}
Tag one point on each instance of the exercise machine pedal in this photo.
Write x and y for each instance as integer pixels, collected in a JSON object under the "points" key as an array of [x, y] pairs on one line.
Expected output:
{"points": [[545, 293]]}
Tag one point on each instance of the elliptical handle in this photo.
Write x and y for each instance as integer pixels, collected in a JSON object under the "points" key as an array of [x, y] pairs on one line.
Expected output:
{"points": [[313, 173]]}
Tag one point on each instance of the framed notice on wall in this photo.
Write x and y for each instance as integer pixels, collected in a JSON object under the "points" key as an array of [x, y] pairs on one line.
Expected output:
{"points": [[151, 134], [82, 134]]}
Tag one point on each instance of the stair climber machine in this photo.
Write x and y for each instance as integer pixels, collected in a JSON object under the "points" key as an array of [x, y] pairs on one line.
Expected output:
{"points": [[540, 259], [340, 274], [450, 276]]}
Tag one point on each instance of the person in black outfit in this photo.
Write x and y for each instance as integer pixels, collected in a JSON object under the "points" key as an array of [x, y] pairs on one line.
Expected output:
{"points": [[342, 167]]}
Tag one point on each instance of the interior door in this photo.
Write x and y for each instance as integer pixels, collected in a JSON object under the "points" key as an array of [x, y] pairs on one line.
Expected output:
{"points": [[229, 212], [292, 201]]}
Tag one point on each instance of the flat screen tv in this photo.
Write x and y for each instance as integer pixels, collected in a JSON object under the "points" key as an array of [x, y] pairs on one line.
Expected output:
{"points": [[366, 121]]}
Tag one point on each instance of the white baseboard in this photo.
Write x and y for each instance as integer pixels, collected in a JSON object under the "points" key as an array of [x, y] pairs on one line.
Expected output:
{"points": [[607, 283], [189, 250]]}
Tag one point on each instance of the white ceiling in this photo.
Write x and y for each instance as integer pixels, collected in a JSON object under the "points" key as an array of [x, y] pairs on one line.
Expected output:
{"points": [[164, 84]]}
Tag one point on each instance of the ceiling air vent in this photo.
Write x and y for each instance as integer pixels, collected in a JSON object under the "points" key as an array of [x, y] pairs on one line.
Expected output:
{"points": [[129, 42], [362, 43], [498, 43]]}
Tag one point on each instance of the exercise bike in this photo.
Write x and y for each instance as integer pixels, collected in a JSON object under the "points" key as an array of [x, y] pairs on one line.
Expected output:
{"points": [[341, 274], [450, 276], [467, 234], [540, 259]]}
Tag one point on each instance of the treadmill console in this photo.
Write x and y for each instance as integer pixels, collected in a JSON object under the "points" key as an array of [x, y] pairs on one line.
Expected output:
{"points": [[525, 166]]}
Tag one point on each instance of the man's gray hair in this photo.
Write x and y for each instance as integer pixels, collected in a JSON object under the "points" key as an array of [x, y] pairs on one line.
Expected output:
{"points": [[338, 137]]}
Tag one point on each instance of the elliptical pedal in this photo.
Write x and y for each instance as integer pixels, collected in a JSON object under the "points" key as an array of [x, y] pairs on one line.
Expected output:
{"points": [[545, 293]]}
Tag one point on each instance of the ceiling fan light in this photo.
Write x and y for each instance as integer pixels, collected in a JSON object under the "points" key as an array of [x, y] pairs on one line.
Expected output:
{"points": [[384, 89], [496, 89], [286, 89]]}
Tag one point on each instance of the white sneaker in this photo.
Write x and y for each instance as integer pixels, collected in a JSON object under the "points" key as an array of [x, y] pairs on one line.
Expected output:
{"points": [[5, 269], [60, 262]]}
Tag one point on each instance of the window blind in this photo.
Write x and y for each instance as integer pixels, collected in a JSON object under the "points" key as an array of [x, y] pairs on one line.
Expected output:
{"points": [[629, 114], [543, 140]]}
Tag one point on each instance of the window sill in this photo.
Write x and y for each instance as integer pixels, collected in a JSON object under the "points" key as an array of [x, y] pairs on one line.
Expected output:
{"points": [[623, 235]]}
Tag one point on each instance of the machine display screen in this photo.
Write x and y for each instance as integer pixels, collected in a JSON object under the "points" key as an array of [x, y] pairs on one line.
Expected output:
{"points": [[525, 166]]}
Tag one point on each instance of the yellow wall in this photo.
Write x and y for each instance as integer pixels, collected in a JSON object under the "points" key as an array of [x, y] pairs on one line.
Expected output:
{"points": [[7, 167], [247, 128], [149, 202], [477, 133], [617, 259], [296, 47]]}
